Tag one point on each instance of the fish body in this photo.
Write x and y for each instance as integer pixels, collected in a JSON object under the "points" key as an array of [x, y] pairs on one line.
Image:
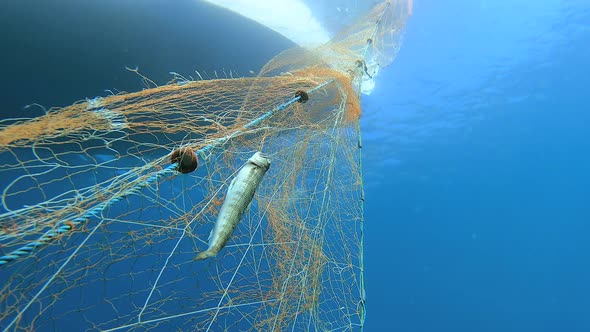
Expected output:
{"points": [[239, 195]]}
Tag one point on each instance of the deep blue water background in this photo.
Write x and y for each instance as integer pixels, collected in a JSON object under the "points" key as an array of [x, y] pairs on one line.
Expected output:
{"points": [[475, 141], [479, 218]]}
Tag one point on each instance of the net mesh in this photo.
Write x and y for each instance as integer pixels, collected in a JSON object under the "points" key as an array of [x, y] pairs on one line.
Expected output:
{"points": [[99, 230]]}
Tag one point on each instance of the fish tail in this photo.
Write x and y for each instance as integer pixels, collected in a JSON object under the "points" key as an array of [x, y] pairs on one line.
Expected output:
{"points": [[204, 255]]}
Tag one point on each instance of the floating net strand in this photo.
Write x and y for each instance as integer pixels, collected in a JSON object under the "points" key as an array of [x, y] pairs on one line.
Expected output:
{"points": [[100, 223]]}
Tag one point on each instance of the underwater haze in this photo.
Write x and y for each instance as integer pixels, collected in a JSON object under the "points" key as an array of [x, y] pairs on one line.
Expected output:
{"points": [[476, 164], [475, 141]]}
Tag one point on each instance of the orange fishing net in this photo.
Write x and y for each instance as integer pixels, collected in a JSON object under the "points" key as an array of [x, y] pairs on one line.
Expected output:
{"points": [[99, 229]]}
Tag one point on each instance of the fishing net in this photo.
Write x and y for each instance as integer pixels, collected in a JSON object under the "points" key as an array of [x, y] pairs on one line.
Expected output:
{"points": [[99, 226]]}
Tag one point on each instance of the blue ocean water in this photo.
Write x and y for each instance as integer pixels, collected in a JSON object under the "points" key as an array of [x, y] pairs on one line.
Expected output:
{"points": [[478, 218], [475, 141]]}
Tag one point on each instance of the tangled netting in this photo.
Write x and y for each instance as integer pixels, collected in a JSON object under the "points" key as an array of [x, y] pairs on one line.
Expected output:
{"points": [[100, 223]]}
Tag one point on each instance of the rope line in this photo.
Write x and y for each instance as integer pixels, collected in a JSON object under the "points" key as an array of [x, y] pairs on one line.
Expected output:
{"points": [[67, 226]]}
